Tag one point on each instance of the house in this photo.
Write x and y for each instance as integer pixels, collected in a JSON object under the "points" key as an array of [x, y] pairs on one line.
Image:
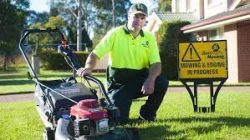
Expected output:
{"points": [[222, 20], [155, 19]]}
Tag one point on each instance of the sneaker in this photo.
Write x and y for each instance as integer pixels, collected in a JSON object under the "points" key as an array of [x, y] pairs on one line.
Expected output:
{"points": [[149, 119]]}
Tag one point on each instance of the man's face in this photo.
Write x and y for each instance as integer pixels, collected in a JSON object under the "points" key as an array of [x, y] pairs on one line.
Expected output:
{"points": [[64, 43], [136, 22]]}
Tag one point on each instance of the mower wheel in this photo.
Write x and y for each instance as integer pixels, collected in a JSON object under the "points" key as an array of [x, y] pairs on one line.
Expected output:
{"points": [[48, 134]]}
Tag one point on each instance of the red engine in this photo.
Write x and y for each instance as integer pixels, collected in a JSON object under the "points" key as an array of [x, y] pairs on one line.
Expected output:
{"points": [[91, 118], [88, 109]]}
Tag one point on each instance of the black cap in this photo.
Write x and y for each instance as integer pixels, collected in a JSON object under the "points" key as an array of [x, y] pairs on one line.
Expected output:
{"points": [[138, 8]]}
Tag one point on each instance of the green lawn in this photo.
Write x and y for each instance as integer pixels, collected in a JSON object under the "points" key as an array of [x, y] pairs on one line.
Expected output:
{"points": [[16, 81], [19, 121], [176, 119]]}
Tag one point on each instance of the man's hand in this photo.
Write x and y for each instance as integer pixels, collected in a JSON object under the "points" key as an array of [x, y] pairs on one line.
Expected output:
{"points": [[89, 65], [83, 71], [148, 86]]}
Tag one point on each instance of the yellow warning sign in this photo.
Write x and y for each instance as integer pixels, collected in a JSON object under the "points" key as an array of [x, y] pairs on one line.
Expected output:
{"points": [[203, 60]]}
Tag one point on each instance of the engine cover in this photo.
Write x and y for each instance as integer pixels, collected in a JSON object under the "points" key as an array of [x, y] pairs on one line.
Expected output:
{"points": [[89, 109]]}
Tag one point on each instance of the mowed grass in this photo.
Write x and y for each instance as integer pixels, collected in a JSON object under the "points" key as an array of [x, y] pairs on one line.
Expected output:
{"points": [[175, 120], [19, 121], [15, 81]]}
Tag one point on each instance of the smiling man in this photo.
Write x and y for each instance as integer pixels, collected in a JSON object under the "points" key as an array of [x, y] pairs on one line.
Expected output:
{"points": [[134, 66]]}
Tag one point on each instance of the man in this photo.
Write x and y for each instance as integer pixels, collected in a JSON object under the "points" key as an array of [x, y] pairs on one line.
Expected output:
{"points": [[63, 45], [134, 66]]}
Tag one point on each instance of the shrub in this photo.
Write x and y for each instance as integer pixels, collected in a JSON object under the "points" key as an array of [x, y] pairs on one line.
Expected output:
{"points": [[170, 37], [55, 61]]}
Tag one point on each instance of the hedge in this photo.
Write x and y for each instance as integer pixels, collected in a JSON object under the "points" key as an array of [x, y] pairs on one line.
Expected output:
{"points": [[55, 61], [170, 37]]}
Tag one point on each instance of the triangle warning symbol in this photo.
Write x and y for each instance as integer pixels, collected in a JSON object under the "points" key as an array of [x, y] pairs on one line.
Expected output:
{"points": [[191, 54]]}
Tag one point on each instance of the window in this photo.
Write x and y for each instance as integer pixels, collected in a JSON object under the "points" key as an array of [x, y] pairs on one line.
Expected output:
{"points": [[177, 6], [212, 34], [209, 2], [216, 34], [188, 5]]}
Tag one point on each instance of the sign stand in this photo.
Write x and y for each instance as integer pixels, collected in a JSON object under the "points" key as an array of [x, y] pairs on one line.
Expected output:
{"points": [[194, 97]]}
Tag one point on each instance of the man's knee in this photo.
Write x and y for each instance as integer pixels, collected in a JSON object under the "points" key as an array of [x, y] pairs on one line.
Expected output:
{"points": [[121, 100]]}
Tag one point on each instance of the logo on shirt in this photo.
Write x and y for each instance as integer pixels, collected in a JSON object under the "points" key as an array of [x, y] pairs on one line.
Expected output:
{"points": [[145, 44]]}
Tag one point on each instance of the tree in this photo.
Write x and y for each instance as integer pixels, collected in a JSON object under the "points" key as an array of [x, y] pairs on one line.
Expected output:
{"points": [[69, 11], [12, 17], [38, 40], [170, 37], [103, 21], [96, 17], [35, 17], [164, 6]]}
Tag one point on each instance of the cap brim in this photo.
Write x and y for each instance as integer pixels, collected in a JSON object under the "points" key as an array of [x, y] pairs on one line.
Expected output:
{"points": [[139, 12]]}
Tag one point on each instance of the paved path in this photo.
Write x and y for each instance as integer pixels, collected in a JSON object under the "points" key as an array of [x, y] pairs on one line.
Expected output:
{"points": [[30, 97], [16, 97]]}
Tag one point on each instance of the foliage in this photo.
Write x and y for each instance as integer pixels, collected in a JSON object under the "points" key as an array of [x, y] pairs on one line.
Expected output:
{"points": [[170, 37], [96, 17], [54, 61], [164, 6], [37, 41], [35, 17], [97, 38], [54, 22], [103, 21], [67, 10], [12, 20], [21, 4]]}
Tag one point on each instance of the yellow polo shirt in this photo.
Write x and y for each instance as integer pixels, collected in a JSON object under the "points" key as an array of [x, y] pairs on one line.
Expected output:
{"points": [[125, 51]]}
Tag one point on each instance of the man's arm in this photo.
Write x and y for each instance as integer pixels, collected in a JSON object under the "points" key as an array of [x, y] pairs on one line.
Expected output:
{"points": [[154, 71], [89, 65], [149, 84]]}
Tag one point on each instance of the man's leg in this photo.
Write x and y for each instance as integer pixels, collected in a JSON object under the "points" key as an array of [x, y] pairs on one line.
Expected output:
{"points": [[122, 98], [149, 109]]}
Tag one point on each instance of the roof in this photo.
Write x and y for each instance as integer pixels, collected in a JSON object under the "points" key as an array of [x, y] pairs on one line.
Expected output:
{"points": [[177, 16], [239, 12]]}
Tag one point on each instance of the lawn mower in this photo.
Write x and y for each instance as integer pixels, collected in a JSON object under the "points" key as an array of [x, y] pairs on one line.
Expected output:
{"points": [[72, 110]]}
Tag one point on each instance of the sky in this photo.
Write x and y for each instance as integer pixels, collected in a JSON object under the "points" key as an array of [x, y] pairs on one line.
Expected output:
{"points": [[39, 5], [43, 5]]}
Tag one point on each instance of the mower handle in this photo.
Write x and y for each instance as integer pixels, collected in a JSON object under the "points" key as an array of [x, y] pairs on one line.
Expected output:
{"points": [[74, 64], [24, 35], [100, 85]]}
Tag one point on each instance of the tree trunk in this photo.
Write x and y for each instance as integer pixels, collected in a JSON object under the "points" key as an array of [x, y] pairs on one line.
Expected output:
{"points": [[5, 62], [36, 64], [113, 12], [79, 27]]}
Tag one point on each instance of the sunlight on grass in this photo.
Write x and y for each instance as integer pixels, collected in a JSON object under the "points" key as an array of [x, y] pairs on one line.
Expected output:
{"points": [[19, 121], [16, 81], [175, 120]]}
